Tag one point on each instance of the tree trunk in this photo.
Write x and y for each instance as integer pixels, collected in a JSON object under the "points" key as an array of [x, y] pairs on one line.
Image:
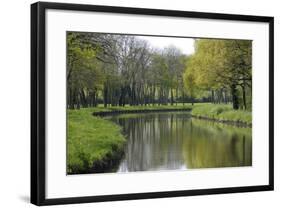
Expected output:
{"points": [[172, 97], [105, 96], [177, 95], [183, 96], [225, 96], [122, 96], [83, 98], [69, 98], [244, 96], [235, 101], [159, 96]]}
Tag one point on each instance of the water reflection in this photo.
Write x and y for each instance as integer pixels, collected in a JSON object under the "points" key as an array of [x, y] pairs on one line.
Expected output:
{"points": [[169, 141]]}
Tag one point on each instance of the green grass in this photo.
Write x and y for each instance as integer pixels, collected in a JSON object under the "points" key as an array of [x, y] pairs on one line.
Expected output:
{"points": [[222, 112], [92, 139]]}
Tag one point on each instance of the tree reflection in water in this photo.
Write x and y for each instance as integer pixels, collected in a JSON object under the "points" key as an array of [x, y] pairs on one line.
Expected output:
{"points": [[174, 140]]}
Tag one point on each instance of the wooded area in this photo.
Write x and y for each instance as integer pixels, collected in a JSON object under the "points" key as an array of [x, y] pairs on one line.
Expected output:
{"points": [[119, 70]]}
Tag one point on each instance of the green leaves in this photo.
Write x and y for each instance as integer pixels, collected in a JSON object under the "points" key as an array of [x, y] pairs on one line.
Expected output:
{"points": [[219, 64]]}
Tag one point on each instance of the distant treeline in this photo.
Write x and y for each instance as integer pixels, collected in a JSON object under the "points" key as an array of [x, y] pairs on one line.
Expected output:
{"points": [[121, 69]]}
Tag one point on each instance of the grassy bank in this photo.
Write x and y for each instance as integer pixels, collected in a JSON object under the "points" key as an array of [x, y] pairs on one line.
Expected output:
{"points": [[95, 143], [223, 113], [219, 112], [92, 141]]}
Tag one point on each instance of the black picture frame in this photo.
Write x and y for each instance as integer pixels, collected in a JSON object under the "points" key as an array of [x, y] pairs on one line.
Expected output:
{"points": [[38, 98]]}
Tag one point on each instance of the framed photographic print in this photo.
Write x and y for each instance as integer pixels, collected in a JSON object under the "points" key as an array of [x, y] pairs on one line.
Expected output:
{"points": [[134, 103]]}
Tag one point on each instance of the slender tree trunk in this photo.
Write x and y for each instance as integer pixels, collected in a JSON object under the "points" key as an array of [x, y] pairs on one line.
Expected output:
{"points": [[69, 98], [121, 97], [77, 99], [95, 98], [172, 97], [225, 96], [235, 102], [133, 94], [105, 96], [154, 91], [160, 96], [244, 96], [83, 98], [213, 96], [183, 97], [177, 95], [221, 95]]}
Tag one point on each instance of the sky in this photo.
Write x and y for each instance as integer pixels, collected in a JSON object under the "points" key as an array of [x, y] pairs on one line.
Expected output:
{"points": [[186, 45]]}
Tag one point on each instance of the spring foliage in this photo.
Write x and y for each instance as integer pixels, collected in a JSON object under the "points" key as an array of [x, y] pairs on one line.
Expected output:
{"points": [[223, 69]]}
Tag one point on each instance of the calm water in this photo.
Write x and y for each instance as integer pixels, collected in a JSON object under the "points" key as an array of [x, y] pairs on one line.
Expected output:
{"points": [[174, 140]]}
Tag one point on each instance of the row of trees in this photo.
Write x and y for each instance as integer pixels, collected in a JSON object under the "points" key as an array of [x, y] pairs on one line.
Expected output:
{"points": [[120, 69], [222, 70]]}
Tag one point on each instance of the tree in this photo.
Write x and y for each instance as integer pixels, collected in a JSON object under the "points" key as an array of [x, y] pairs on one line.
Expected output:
{"points": [[84, 77], [220, 66]]}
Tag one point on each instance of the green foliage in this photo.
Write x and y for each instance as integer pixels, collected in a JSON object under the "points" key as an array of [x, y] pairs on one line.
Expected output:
{"points": [[84, 74], [221, 66], [121, 69], [190, 82]]}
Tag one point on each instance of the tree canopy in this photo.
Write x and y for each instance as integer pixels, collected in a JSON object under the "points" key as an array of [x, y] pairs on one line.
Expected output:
{"points": [[223, 69], [116, 70]]}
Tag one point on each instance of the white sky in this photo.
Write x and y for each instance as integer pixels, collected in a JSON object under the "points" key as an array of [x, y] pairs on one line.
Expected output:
{"points": [[186, 45]]}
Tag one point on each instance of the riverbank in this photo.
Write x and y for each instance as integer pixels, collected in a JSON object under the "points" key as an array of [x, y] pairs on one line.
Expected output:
{"points": [[94, 143], [223, 114]]}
